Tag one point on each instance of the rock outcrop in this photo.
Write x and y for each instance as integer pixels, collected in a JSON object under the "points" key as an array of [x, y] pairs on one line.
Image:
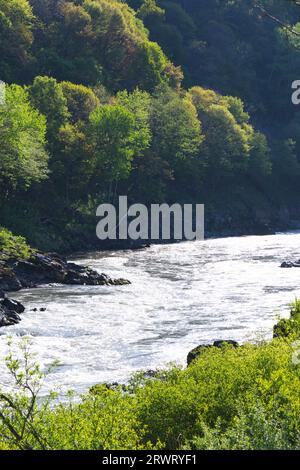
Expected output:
{"points": [[39, 269], [49, 268], [291, 264], [10, 310]]}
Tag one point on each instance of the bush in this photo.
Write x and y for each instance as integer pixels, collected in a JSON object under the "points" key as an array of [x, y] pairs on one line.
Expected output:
{"points": [[215, 387], [228, 398], [12, 246], [289, 327]]}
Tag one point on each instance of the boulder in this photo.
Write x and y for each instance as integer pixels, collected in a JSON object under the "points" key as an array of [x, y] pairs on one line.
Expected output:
{"points": [[9, 311], [42, 269], [196, 352], [50, 268], [290, 264], [13, 305], [8, 279]]}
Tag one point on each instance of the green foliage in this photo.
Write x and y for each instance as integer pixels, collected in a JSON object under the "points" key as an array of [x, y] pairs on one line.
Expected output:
{"points": [[82, 61], [232, 147], [254, 429], [176, 129], [229, 398], [81, 101], [47, 96], [12, 246], [116, 45], [23, 159], [138, 103], [16, 21], [74, 163], [102, 89], [289, 328], [149, 8], [260, 164], [101, 421], [112, 133], [215, 387]]}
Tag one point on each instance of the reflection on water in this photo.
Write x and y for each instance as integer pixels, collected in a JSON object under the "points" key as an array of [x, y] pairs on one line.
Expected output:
{"points": [[181, 295]]}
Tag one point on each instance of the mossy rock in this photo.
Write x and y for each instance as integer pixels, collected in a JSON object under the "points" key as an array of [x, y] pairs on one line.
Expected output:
{"points": [[196, 352]]}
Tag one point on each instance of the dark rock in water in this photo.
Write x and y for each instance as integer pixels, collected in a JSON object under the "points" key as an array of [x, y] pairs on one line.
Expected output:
{"points": [[39, 269], [291, 264], [50, 268], [9, 310], [8, 279], [13, 305], [196, 352]]}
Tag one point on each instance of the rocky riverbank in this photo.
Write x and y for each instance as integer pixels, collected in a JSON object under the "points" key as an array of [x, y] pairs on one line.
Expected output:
{"points": [[291, 264], [39, 269], [10, 310], [49, 268], [286, 327]]}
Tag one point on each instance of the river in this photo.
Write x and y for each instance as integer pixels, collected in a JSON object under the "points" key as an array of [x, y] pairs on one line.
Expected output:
{"points": [[181, 295]]}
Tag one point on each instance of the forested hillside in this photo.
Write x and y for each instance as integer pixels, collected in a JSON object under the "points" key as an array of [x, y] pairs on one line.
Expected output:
{"points": [[177, 101]]}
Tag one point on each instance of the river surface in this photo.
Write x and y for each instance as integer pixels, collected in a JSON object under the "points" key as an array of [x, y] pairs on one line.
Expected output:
{"points": [[181, 296]]}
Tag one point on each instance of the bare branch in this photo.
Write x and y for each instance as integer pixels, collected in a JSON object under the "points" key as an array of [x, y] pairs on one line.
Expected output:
{"points": [[277, 20]]}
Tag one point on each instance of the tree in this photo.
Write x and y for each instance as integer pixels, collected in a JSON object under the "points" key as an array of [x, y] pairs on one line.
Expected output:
{"points": [[232, 146], [138, 103], [23, 158], [121, 46], [112, 133], [74, 163], [81, 101], [260, 163], [226, 143], [16, 20], [46, 94], [176, 129], [149, 8], [177, 141]]}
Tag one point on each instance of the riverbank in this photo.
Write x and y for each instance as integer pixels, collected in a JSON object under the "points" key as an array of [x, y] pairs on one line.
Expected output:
{"points": [[48, 268], [39, 269], [180, 296], [93, 244], [229, 398], [22, 267]]}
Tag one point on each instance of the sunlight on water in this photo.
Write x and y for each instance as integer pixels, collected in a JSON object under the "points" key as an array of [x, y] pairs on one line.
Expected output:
{"points": [[181, 296]]}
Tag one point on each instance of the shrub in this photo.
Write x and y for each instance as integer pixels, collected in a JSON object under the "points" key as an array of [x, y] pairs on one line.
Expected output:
{"points": [[289, 327], [12, 246], [228, 398]]}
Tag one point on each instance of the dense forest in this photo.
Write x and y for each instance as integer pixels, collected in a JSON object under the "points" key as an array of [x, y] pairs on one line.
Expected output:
{"points": [[183, 101], [175, 101]]}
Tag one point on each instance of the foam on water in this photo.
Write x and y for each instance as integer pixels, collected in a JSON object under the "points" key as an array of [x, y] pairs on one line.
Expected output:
{"points": [[181, 296]]}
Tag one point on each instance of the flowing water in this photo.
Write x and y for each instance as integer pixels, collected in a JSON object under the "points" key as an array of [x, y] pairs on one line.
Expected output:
{"points": [[181, 296]]}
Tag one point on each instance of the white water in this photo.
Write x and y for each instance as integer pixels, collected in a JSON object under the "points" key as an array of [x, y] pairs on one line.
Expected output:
{"points": [[181, 296]]}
